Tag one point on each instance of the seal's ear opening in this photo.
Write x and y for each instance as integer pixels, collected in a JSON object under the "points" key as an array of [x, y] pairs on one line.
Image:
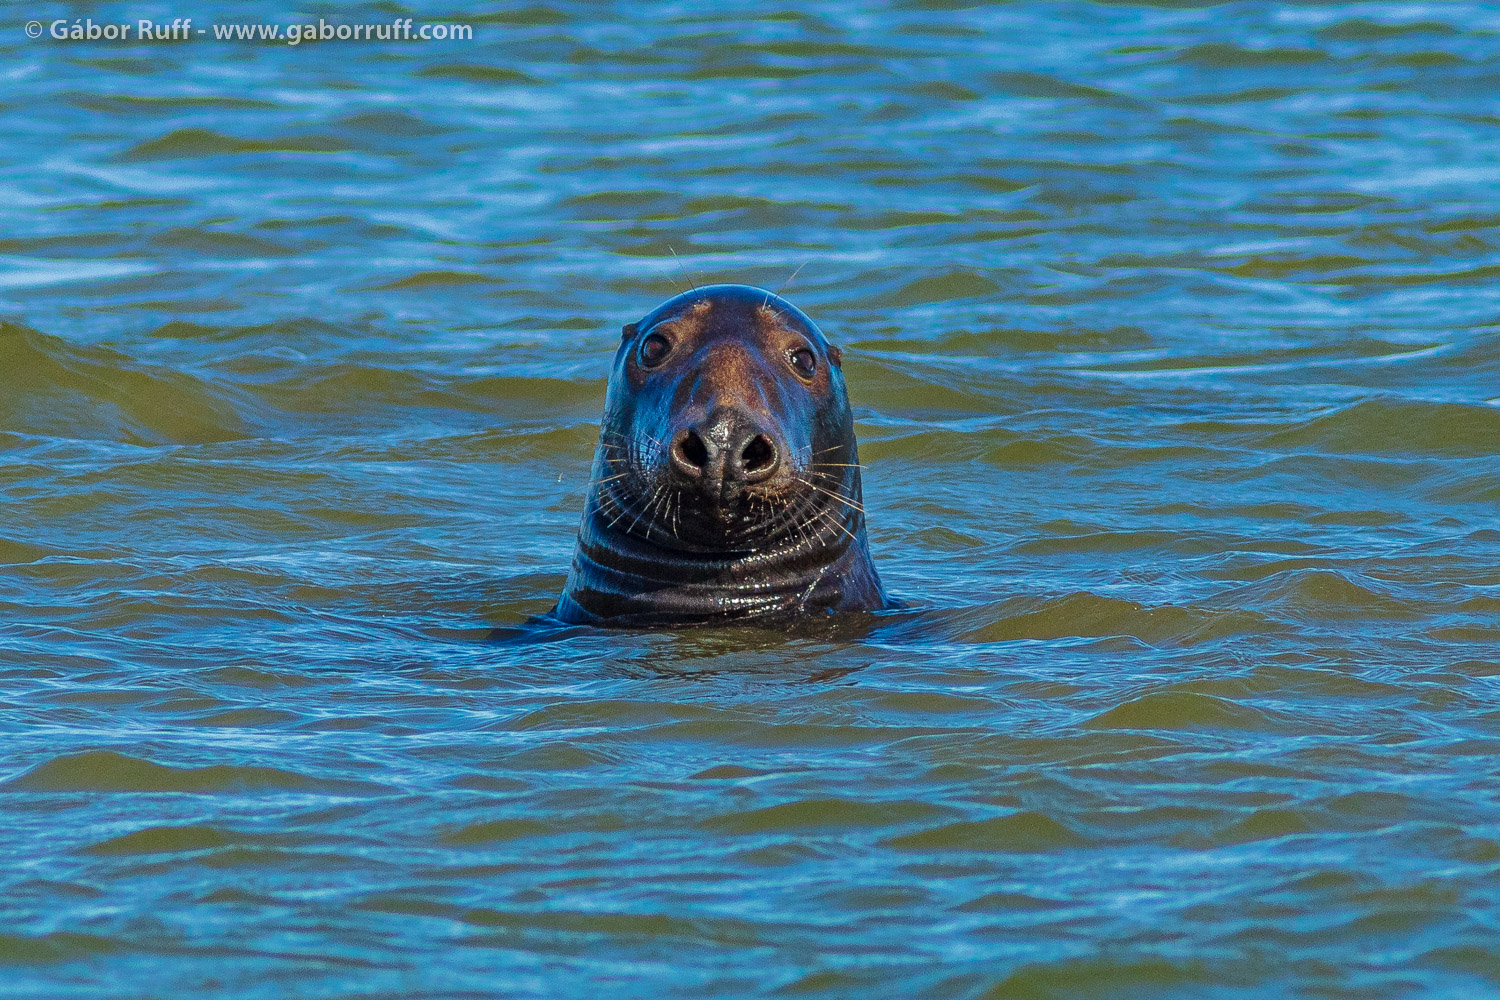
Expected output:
{"points": [[627, 331], [835, 355]]}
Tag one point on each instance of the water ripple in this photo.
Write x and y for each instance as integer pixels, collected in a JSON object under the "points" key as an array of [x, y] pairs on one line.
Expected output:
{"points": [[1171, 335]]}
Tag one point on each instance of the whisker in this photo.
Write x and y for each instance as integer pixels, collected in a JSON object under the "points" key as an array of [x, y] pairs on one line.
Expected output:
{"points": [[665, 497], [787, 283], [837, 496], [837, 524], [682, 269], [631, 529], [621, 511], [801, 528]]}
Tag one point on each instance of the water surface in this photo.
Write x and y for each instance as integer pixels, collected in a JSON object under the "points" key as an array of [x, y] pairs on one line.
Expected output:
{"points": [[1174, 342]]}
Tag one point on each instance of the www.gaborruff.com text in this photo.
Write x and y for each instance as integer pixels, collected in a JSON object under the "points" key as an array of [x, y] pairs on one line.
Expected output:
{"points": [[181, 30]]}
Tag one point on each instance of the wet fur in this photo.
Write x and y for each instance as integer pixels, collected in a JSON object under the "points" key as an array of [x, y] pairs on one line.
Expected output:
{"points": [[652, 551]]}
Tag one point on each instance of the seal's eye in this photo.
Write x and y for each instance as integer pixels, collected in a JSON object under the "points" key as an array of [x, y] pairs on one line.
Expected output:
{"points": [[803, 360], [654, 350]]}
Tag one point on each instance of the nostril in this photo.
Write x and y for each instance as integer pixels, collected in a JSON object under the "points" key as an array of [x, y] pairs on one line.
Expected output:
{"points": [[759, 454], [692, 450]]}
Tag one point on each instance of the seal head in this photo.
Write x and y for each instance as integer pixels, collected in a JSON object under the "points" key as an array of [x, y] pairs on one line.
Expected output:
{"points": [[726, 483]]}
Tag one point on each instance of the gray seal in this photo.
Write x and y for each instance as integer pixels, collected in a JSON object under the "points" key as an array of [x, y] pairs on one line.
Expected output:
{"points": [[726, 484]]}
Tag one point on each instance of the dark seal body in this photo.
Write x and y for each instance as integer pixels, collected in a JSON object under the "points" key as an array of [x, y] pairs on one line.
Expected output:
{"points": [[726, 485]]}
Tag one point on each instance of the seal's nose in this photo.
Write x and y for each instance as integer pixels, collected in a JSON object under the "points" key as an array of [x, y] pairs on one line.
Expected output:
{"points": [[725, 452]]}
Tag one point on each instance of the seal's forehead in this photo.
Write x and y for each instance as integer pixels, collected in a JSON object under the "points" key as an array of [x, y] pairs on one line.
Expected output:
{"points": [[738, 306], [692, 315]]}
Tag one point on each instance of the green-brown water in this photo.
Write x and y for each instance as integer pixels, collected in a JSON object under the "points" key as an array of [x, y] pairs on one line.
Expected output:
{"points": [[1173, 335]]}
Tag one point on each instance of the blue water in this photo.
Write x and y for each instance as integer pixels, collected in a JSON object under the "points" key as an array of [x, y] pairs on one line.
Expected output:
{"points": [[1173, 338]]}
